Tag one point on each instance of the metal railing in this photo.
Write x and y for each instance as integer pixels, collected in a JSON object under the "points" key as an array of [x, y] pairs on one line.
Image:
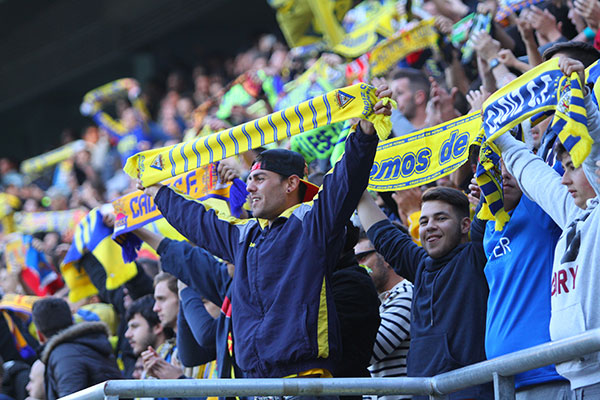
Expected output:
{"points": [[499, 370]]}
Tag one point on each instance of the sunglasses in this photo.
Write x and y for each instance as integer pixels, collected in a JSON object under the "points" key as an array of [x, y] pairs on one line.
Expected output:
{"points": [[364, 254]]}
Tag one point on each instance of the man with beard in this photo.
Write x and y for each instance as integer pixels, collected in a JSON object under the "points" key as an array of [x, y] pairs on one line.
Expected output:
{"points": [[410, 88]]}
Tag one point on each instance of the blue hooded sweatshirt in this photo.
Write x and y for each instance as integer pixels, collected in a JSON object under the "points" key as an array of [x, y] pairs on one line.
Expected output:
{"points": [[447, 324]]}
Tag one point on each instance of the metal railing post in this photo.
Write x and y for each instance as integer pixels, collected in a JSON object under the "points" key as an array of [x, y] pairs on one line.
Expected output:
{"points": [[504, 387]]}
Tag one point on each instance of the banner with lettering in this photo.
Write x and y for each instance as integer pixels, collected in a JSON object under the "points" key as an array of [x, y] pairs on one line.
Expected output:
{"points": [[317, 143], [424, 156], [136, 209]]}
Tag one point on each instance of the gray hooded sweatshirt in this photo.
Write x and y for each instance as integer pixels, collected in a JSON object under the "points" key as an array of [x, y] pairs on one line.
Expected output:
{"points": [[576, 269]]}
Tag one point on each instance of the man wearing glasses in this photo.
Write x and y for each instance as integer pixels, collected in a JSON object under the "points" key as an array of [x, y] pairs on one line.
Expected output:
{"points": [[395, 293]]}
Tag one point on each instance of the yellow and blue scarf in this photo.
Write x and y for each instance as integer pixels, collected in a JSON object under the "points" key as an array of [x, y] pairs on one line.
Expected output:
{"points": [[156, 165], [63, 222], [39, 163], [94, 236], [423, 156], [8, 204], [14, 252], [24, 349], [508, 7], [372, 21], [304, 22], [136, 209], [536, 92], [18, 303], [387, 53]]}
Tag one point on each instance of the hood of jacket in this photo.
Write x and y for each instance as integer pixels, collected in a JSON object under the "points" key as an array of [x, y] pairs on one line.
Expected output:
{"points": [[91, 334], [434, 264]]}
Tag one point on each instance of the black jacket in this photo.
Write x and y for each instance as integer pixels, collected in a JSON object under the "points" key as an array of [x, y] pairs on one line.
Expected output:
{"points": [[357, 306], [78, 357]]}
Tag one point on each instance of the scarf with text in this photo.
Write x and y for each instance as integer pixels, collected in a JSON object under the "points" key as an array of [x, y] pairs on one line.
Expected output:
{"points": [[540, 90], [63, 222], [387, 53]]}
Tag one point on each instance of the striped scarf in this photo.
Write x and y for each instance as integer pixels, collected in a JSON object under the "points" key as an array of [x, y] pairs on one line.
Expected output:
{"points": [[156, 165], [63, 222], [534, 93], [39, 163]]}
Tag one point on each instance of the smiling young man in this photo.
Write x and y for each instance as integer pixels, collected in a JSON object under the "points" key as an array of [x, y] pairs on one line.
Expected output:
{"points": [[447, 324], [572, 202], [284, 321]]}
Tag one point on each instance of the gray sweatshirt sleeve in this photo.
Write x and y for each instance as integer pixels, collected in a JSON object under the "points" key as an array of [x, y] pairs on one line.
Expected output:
{"points": [[539, 181], [589, 165]]}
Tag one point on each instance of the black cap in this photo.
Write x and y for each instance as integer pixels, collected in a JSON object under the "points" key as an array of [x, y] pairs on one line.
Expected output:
{"points": [[285, 163]]}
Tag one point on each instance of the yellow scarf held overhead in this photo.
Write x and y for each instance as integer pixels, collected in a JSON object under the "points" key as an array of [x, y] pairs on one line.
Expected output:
{"points": [[18, 303], [387, 53], [156, 165], [39, 163]]}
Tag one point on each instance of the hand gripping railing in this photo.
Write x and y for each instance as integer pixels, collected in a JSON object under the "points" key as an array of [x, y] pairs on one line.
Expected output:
{"points": [[498, 370]]}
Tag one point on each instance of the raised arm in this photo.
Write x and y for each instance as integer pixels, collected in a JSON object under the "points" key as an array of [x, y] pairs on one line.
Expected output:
{"points": [[151, 238], [196, 221], [343, 187], [195, 267], [196, 330], [369, 212], [589, 165], [396, 247]]}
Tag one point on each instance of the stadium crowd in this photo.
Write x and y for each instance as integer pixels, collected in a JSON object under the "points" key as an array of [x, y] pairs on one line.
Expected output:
{"points": [[311, 274]]}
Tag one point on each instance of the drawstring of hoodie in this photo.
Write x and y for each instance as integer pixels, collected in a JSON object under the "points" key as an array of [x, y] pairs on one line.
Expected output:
{"points": [[431, 298]]}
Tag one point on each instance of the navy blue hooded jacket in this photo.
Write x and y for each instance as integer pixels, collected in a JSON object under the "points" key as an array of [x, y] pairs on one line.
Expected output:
{"points": [[208, 277], [447, 324], [196, 330], [284, 318]]}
